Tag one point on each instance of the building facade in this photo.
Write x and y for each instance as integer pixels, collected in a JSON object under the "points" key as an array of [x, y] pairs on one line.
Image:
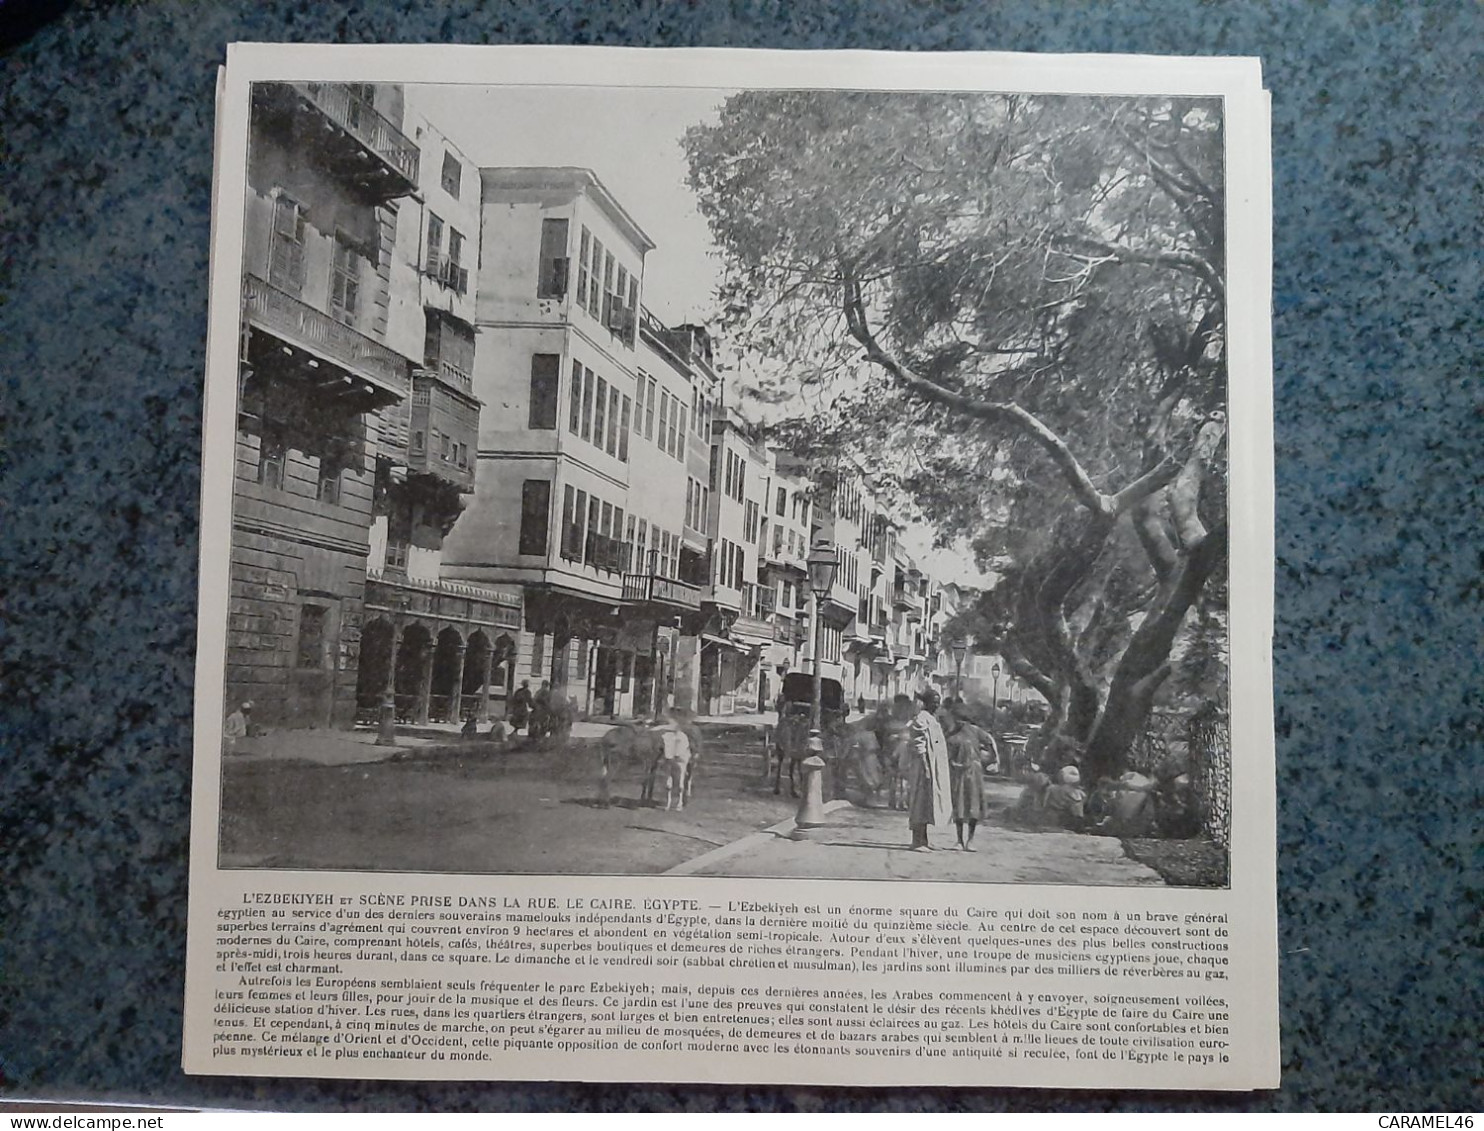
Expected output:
{"points": [[328, 165]]}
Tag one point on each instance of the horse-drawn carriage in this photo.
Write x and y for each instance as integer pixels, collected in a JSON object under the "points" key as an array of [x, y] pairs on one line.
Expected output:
{"points": [[791, 735]]}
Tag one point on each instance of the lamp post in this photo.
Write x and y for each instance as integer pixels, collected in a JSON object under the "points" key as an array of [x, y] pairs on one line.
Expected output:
{"points": [[960, 649], [994, 712], [823, 561]]}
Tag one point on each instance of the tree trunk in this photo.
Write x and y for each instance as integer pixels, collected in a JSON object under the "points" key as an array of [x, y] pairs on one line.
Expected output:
{"points": [[1145, 666]]}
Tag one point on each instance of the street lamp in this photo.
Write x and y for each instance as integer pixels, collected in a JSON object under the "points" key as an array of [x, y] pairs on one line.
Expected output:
{"points": [[994, 711], [960, 649], [823, 561]]}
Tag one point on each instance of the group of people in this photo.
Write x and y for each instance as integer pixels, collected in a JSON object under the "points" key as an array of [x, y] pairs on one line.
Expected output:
{"points": [[539, 714], [938, 758]]}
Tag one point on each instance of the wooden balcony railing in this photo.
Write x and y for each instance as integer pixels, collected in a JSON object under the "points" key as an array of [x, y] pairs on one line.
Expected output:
{"points": [[300, 324], [641, 587], [372, 129]]}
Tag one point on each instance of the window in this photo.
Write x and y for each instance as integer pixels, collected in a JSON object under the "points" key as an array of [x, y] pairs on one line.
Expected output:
{"points": [[649, 412], [600, 413], [286, 255], [613, 429], [590, 543], [272, 455], [435, 242], [664, 421], [623, 432], [451, 174], [453, 275], [631, 562], [633, 308], [594, 282], [418, 442], [535, 503], [579, 524], [607, 288], [396, 555], [312, 622], [552, 280], [782, 504], [345, 282], [544, 379], [574, 410], [570, 543], [750, 521], [582, 254], [623, 288], [327, 489], [641, 536], [677, 441], [538, 654]]}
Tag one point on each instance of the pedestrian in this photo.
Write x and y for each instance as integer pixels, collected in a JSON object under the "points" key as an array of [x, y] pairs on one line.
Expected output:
{"points": [[1065, 802], [966, 773], [675, 759], [541, 715], [236, 726], [894, 735], [470, 729], [520, 706], [928, 799]]}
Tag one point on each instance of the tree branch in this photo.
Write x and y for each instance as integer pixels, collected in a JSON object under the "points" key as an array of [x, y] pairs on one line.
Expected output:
{"points": [[994, 411], [1149, 526], [1179, 260], [1185, 492]]}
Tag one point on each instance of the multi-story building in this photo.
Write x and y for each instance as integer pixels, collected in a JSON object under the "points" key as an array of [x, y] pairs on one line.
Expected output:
{"points": [[783, 574], [736, 624], [557, 288], [327, 166], [670, 499], [441, 649]]}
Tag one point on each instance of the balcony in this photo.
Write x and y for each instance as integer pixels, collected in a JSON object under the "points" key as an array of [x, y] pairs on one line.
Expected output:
{"points": [[443, 600], [445, 431], [338, 123], [382, 372], [451, 374], [653, 589]]}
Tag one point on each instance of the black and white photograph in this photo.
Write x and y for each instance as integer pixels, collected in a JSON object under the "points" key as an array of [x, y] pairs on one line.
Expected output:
{"points": [[820, 484]]}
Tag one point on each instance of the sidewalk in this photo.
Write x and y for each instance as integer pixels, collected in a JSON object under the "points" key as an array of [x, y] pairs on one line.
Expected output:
{"points": [[872, 844]]}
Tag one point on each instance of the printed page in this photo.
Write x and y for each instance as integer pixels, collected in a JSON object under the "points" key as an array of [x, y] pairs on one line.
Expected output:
{"points": [[737, 566]]}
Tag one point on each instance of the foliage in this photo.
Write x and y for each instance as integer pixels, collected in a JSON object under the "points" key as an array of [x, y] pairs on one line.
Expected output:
{"points": [[1014, 305]]}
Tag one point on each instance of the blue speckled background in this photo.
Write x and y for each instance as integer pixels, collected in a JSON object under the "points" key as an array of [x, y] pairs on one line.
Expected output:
{"points": [[105, 176]]}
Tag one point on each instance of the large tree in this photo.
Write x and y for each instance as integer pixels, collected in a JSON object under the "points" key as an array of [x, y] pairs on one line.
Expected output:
{"points": [[1026, 295]]}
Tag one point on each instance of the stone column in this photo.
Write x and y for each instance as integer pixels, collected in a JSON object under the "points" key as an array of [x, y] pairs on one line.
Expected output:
{"points": [[386, 731], [456, 697], [424, 683], [484, 684]]}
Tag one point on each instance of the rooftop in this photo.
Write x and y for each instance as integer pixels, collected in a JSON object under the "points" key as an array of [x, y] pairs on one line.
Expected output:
{"points": [[566, 179]]}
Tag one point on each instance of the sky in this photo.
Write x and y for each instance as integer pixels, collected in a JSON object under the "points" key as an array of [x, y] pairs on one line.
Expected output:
{"points": [[630, 138]]}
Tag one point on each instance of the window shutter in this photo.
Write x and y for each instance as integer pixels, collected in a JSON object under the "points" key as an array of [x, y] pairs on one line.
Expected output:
{"points": [[535, 506], [544, 380]]}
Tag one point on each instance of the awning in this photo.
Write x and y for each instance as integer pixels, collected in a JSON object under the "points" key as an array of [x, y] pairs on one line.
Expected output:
{"points": [[724, 642]]}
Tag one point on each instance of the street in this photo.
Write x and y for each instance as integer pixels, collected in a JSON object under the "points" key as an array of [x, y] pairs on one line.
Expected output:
{"points": [[535, 811]]}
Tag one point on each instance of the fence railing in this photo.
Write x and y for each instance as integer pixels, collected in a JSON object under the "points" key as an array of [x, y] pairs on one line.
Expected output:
{"points": [[363, 122], [310, 328]]}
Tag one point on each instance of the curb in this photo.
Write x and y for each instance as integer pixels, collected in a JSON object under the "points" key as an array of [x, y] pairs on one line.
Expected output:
{"points": [[745, 844]]}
